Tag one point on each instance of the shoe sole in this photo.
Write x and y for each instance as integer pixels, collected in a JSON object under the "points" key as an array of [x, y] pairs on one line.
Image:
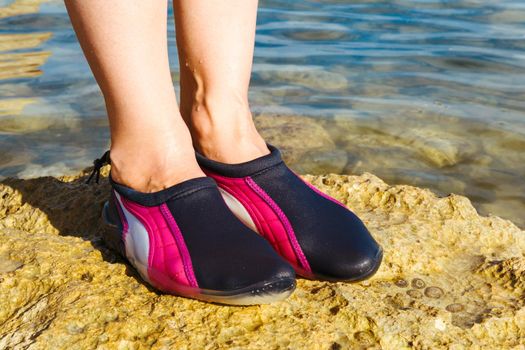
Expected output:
{"points": [[264, 292]]}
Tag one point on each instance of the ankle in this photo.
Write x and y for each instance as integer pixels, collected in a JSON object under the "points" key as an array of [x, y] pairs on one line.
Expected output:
{"points": [[150, 170], [228, 142], [225, 132], [231, 146]]}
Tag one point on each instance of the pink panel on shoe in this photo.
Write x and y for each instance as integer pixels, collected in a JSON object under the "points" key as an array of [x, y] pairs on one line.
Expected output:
{"points": [[284, 220], [168, 268], [269, 219]]}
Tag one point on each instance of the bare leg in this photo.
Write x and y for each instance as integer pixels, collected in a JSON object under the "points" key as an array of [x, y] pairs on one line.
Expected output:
{"points": [[215, 40], [126, 46]]}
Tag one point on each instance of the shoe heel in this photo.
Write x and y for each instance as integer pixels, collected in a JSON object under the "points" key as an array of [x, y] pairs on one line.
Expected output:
{"points": [[111, 234]]}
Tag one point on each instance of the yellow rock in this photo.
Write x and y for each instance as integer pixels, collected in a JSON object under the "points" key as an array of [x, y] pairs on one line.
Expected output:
{"points": [[13, 106], [60, 288], [20, 7], [22, 65], [10, 42], [25, 64]]}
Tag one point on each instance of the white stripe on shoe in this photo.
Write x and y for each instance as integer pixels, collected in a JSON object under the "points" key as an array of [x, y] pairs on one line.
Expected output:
{"points": [[136, 241], [238, 209]]}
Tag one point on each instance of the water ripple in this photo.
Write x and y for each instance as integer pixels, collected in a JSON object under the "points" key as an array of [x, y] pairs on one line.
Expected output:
{"points": [[427, 92]]}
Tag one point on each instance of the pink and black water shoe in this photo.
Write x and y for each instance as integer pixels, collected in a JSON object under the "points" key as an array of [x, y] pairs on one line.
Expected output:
{"points": [[318, 235], [184, 240]]}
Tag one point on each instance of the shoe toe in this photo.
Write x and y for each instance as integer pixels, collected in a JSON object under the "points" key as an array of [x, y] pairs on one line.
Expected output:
{"points": [[344, 252], [358, 267]]}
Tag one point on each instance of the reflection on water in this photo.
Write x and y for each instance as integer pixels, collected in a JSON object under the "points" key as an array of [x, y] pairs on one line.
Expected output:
{"points": [[429, 93]]}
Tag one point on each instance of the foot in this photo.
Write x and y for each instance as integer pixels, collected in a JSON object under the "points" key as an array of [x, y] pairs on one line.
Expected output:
{"points": [[184, 240], [319, 236]]}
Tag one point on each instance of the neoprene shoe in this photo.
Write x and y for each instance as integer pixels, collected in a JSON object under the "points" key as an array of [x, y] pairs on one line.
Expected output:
{"points": [[184, 240], [318, 235]]}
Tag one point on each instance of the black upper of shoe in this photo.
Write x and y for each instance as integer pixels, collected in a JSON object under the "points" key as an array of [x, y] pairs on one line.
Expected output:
{"points": [[335, 241], [226, 255]]}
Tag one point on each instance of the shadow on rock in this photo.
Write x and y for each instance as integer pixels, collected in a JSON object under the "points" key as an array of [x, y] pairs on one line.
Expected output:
{"points": [[66, 206]]}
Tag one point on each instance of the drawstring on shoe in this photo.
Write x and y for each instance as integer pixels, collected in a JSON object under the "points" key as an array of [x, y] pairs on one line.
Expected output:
{"points": [[97, 165]]}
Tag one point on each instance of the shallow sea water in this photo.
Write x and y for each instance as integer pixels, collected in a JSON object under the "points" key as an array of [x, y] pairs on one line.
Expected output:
{"points": [[427, 93]]}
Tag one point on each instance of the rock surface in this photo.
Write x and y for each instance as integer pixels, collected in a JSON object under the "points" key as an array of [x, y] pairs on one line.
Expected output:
{"points": [[306, 145], [450, 279]]}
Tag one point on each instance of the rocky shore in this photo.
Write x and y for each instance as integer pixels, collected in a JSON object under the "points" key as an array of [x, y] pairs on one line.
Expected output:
{"points": [[450, 279]]}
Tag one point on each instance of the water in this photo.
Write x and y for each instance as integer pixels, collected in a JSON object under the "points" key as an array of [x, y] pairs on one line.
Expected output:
{"points": [[429, 93]]}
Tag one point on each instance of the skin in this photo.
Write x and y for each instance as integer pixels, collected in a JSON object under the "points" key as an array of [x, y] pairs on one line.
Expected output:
{"points": [[215, 57], [152, 141]]}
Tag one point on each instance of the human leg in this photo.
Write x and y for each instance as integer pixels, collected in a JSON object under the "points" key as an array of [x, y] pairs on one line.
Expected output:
{"points": [[164, 215], [320, 237], [126, 46], [215, 40]]}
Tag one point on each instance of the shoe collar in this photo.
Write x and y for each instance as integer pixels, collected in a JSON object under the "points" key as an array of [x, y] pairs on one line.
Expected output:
{"points": [[242, 169]]}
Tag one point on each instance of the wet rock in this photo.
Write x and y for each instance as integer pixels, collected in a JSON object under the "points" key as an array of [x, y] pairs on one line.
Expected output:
{"points": [[438, 147], [315, 78], [410, 136], [321, 162], [294, 132], [13, 106], [22, 64], [20, 7], [439, 152], [66, 290], [305, 144]]}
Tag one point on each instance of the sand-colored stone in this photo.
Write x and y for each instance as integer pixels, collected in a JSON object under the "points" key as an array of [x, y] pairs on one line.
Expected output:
{"points": [[20, 7], [306, 145], [21, 64], [15, 65], [60, 288], [481, 160], [10, 42], [313, 77], [14, 106]]}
